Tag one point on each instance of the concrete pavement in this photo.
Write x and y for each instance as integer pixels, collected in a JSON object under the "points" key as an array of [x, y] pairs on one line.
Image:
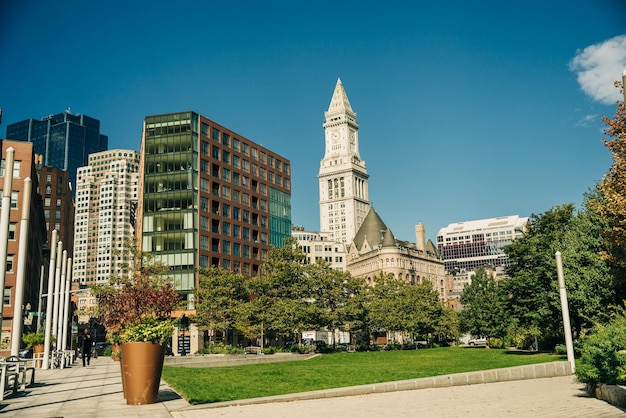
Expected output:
{"points": [[96, 391]]}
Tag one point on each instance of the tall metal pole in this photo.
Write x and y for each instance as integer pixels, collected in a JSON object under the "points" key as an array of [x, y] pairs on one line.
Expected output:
{"points": [[16, 334], [565, 309], [68, 281], [4, 221], [57, 286], [61, 302], [48, 323]]}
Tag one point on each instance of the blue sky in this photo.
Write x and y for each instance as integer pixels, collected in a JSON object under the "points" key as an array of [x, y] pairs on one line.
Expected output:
{"points": [[467, 110]]}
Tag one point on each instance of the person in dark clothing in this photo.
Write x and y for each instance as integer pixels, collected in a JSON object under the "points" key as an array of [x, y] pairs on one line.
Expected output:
{"points": [[86, 348]]}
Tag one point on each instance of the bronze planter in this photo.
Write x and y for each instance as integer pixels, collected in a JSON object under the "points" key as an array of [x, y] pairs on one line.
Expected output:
{"points": [[142, 363]]}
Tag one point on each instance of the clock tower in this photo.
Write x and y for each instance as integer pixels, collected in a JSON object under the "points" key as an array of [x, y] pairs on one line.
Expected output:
{"points": [[344, 200]]}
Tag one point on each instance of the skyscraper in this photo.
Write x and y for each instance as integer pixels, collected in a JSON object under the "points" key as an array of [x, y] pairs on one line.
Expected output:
{"points": [[210, 197], [64, 140], [106, 201], [344, 198]]}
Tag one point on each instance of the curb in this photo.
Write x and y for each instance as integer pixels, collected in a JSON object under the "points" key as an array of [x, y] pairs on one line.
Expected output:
{"points": [[613, 394], [534, 371]]}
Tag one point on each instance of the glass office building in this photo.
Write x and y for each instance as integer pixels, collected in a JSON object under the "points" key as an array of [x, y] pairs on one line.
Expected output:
{"points": [[210, 198], [63, 140]]}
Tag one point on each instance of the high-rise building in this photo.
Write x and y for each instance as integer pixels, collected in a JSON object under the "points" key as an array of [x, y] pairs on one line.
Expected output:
{"points": [[344, 199], [24, 167], [63, 140], [466, 246], [106, 202], [209, 197], [58, 204]]}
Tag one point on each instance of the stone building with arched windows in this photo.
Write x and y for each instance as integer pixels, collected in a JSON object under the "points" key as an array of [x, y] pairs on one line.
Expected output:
{"points": [[375, 249]]}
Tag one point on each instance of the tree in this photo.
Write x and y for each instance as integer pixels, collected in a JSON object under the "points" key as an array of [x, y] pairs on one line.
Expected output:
{"points": [[336, 297], [281, 296], [218, 297], [532, 289], [588, 279], [484, 312], [142, 296], [397, 306], [612, 205]]}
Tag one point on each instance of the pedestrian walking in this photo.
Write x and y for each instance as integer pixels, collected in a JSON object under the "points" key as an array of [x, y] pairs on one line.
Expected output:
{"points": [[86, 347]]}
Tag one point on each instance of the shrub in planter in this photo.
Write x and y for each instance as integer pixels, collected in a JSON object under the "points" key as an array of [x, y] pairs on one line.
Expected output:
{"points": [[603, 355], [137, 306], [34, 338]]}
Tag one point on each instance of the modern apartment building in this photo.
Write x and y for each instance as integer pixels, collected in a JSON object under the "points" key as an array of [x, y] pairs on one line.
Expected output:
{"points": [[320, 246], [63, 140], [24, 167], [58, 203], [209, 197], [106, 204], [466, 246], [343, 186]]}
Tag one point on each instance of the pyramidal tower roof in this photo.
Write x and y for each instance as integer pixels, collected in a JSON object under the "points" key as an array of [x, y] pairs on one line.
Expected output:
{"points": [[339, 103], [374, 231]]}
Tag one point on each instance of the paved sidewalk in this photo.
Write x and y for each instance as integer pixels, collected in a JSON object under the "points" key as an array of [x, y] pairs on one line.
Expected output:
{"points": [[96, 391], [92, 391]]}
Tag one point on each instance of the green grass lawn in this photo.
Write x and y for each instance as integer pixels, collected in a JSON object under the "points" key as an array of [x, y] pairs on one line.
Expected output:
{"points": [[217, 384]]}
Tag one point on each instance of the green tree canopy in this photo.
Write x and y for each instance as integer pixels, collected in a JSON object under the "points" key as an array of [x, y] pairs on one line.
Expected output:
{"points": [[484, 307], [532, 289], [218, 296], [612, 206]]}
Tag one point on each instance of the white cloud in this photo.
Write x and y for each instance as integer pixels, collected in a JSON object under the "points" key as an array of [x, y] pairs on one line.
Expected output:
{"points": [[599, 66], [586, 120]]}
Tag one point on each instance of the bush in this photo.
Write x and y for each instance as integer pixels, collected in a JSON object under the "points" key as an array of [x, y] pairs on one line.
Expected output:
{"points": [[220, 348], [560, 349], [603, 355], [269, 350]]}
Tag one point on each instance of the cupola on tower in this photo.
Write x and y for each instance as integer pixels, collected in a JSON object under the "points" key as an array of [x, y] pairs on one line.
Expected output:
{"points": [[344, 200]]}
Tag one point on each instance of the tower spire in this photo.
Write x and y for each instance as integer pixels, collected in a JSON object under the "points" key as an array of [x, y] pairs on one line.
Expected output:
{"points": [[339, 103]]}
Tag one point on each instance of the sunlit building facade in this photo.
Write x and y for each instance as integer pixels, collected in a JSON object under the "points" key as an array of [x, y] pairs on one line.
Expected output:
{"points": [[467, 246], [106, 203], [209, 197]]}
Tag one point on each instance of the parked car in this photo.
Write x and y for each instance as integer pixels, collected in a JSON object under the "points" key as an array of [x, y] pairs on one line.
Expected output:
{"points": [[26, 353], [478, 341], [101, 347]]}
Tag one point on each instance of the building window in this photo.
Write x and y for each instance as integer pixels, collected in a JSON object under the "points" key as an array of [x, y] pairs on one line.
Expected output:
{"points": [[7, 296], [14, 196], [204, 223], [12, 230], [204, 242], [10, 262], [16, 168]]}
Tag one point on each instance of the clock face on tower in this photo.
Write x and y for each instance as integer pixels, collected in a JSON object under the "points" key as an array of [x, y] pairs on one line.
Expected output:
{"points": [[334, 135]]}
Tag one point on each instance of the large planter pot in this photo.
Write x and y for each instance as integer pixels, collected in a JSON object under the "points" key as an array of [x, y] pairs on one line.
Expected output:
{"points": [[38, 350], [142, 363], [123, 378]]}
